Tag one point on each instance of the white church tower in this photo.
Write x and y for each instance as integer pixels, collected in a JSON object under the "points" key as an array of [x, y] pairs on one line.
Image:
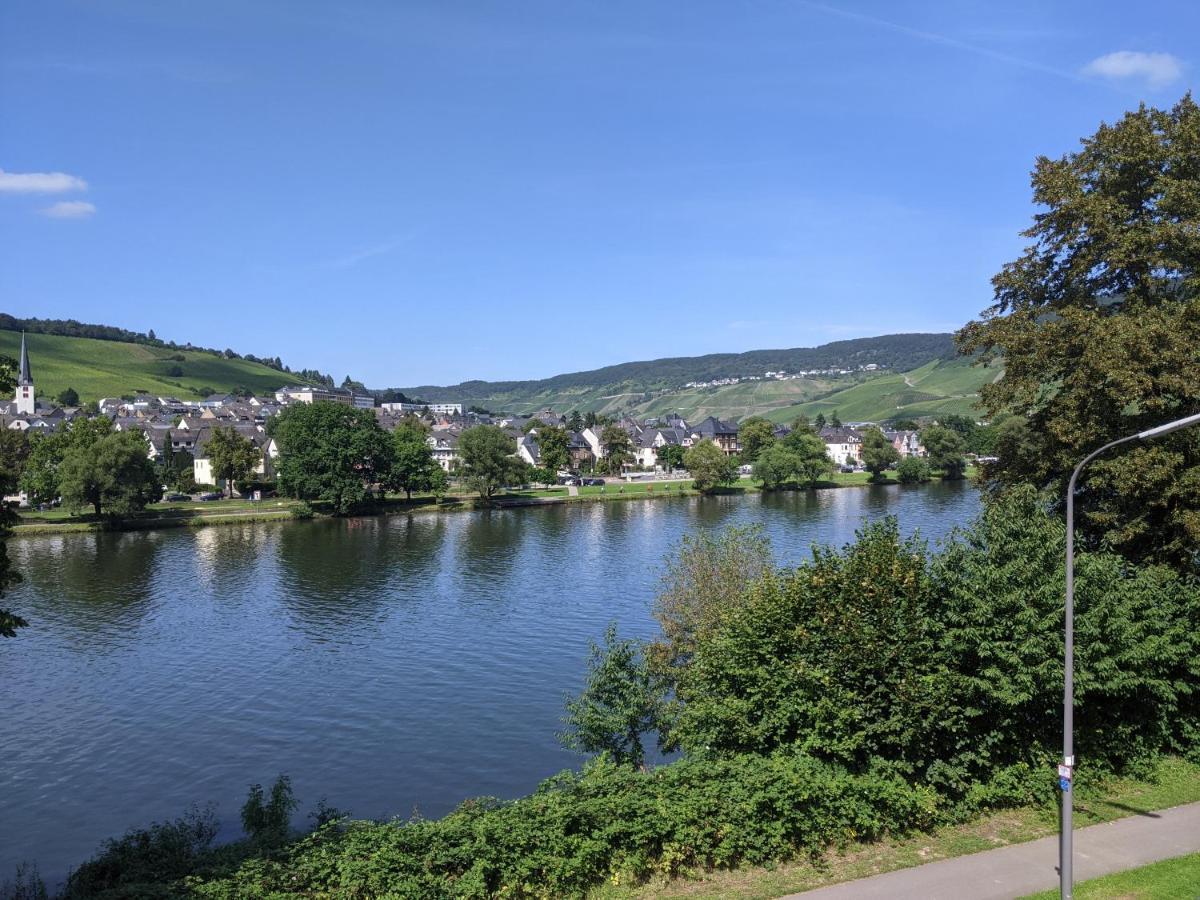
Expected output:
{"points": [[24, 399]]}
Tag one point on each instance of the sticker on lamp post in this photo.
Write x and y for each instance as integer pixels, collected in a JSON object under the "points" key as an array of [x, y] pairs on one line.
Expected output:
{"points": [[1064, 777]]}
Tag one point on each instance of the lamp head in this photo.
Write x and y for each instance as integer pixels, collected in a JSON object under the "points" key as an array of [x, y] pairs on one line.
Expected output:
{"points": [[1160, 430]]}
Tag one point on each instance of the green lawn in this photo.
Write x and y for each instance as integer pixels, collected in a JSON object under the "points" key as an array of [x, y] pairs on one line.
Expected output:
{"points": [[1173, 781], [1171, 879], [98, 369]]}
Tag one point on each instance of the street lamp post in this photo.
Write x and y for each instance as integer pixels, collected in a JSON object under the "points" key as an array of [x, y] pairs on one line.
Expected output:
{"points": [[1068, 763]]}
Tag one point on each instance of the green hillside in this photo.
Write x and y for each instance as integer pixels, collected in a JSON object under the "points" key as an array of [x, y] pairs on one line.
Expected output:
{"points": [[98, 369], [939, 387]]}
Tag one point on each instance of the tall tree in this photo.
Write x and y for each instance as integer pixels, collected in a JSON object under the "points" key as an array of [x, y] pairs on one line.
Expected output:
{"points": [[68, 397], [330, 452], [944, 449], [819, 421], [554, 448], [617, 447], [413, 465], [232, 456], [878, 454], [113, 475], [709, 467], [670, 456], [619, 703], [754, 434], [834, 420], [40, 478], [1098, 322], [575, 421], [488, 459], [812, 461]]}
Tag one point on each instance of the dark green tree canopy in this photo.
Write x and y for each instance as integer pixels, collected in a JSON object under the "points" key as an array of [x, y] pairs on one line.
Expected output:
{"points": [[878, 453], [488, 459], [330, 452], [232, 456], [754, 434], [1098, 322], [709, 466]]}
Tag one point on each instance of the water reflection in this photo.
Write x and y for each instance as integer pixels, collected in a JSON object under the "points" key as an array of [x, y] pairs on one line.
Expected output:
{"points": [[384, 662]]}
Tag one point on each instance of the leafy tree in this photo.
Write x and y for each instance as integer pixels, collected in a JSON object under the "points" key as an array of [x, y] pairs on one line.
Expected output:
{"points": [[812, 462], [904, 425], [776, 465], [834, 421], [590, 419], [878, 454], [14, 450], [554, 448], [802, 423], [488, 460], [617, 447], [232, 456], [266, 818], [754, 434], [944, 449], [912, 470], [575, 422], [113, 475], [68, 397], [14, 454], [619, 702], [1098, 321], [709, 467], [40, 479], [331, 452], [413, 465], [670, 456], [704, 579], [819, 421]]}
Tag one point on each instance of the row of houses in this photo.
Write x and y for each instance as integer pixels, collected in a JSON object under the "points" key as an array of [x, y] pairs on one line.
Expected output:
{"points": [[173, 427]]}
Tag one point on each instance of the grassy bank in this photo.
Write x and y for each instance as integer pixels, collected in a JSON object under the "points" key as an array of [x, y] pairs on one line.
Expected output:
{"points": [[196, 514], [1166, 880], [1173, 782]]}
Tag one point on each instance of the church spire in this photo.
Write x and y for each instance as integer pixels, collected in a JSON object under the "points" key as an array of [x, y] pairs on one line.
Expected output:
{"points": [[25, 377]]}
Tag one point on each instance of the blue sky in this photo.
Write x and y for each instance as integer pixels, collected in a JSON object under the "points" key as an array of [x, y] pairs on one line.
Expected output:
{"points": [[429, 192]]}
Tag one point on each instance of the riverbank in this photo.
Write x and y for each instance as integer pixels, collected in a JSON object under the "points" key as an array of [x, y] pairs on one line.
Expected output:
{"points": [[193, 514]]}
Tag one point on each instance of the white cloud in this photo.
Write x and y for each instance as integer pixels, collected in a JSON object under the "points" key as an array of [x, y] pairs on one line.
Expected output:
{"points": [[1155, 70], [39, 183], [69, 209]]}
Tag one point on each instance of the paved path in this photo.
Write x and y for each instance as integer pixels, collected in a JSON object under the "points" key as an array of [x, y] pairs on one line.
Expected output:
{"points": [[1021, 869]]}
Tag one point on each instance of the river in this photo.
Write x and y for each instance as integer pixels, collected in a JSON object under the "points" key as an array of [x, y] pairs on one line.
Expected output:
{"points": [[391, 664]]}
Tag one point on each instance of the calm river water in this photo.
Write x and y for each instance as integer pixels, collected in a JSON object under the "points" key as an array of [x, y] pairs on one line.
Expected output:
{"points": [[391, 664]]}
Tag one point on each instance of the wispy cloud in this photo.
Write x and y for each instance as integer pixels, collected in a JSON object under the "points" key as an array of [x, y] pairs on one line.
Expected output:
{"points": [[1155, 70], [933, 37], [39, 183], [68, 209], [380, 249]]}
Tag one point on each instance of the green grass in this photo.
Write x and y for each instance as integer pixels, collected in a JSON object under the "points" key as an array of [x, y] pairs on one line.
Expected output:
{"points": [[1171, 879], [1173, 781], [98, 369]]}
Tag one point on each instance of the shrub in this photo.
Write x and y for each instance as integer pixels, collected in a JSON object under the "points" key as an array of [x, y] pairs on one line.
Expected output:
{"points": [[302, 510], [163, 852], [912, 469], [266, 819]]}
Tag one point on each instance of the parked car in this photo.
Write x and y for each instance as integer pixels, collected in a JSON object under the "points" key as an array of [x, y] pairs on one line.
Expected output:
{"points": [[211, 495], [175, 497], [594, 482], [570, 480]]}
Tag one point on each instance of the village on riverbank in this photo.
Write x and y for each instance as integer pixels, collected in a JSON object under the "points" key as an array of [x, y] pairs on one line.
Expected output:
{"points": [[219, 459]]}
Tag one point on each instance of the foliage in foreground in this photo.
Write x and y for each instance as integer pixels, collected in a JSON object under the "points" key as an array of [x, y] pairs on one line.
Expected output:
{"points": [[608, 822]]}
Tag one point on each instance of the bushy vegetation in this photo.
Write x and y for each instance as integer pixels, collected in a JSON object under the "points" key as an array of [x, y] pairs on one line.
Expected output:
{"points": [[874, 689]]}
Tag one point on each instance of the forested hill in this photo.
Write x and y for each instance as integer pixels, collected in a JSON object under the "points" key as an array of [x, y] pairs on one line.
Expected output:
{"points": [[896, 352]]}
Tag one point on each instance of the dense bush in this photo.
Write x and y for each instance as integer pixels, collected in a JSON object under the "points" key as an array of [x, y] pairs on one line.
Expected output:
{"points": [[608, 822]]}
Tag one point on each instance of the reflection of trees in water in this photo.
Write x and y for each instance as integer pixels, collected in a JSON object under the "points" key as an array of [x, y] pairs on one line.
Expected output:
{"points": [[91, 582], [490, 542], [345, 573]]}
